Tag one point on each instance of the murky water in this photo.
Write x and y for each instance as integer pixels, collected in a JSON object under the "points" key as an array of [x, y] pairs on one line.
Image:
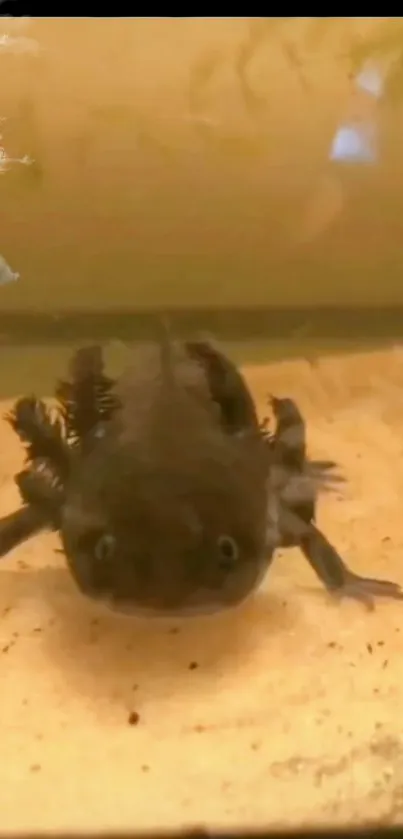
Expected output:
{"points": [[186, 162], [182, 166]]}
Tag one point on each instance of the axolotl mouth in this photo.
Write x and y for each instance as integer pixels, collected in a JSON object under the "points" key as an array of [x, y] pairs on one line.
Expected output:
{"points": [[203, 602]]}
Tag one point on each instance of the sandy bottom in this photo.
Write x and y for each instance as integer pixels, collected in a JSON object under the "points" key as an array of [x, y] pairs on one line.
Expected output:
{"points": [[287, 711]]}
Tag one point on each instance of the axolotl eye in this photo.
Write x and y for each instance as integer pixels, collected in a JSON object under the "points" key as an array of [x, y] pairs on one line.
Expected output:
{"points": [[228, 553], [97, 544], [105, 547]]}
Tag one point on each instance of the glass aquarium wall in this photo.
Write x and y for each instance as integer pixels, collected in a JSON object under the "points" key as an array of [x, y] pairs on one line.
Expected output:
{"points": [[191, 162]]}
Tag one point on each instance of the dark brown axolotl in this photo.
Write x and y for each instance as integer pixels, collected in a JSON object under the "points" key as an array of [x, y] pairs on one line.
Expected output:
{"points": [[168, 494]]}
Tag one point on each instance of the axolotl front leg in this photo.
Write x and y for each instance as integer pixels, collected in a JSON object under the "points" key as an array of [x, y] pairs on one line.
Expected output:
{"points": [[328, 565]]}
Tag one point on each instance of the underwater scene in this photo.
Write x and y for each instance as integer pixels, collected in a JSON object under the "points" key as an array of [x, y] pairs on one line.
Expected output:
{"points": [[201, 423]]}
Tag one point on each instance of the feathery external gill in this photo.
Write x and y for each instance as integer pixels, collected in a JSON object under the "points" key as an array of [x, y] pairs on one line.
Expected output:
{"points": [[86, 398], [41, 432]]}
